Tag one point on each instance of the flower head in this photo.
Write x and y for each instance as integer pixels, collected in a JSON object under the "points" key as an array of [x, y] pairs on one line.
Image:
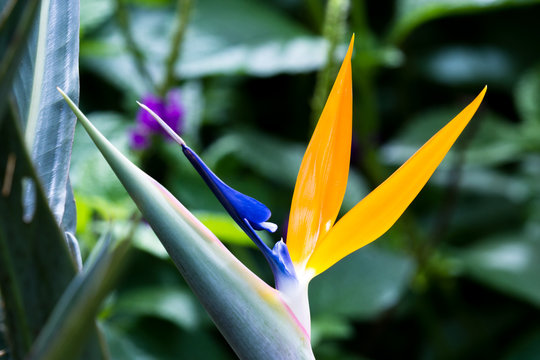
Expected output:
{"points": [[170, 109], [315, 241]]}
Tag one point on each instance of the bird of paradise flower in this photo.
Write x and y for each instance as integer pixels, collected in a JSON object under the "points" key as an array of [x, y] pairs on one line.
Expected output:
{"points": [[314, 241]]}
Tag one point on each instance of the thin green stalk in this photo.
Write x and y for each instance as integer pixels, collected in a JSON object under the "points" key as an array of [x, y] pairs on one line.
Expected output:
{"points": [[452, 188], [364, 72], [315, 9], [6, 11], [138, 57], [74, 315], [11, 56], [24, 333], [367, 117], [367, 125], [333, 32], [183, 12]]}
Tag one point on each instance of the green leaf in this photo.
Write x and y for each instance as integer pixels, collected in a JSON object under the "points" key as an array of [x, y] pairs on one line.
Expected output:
{"points": [[362, 285], [91, 176], [527, 348], [470, 65], [412, 13], [494, 142], [122, 348], [35, 265], [94, 13], [275, 159], [357, 189], [15, 29], [248, 312], [170, 304], [482, 180], [527, 96], [267, 43], [73, 316], [224, 227], [329, 327], [50, 59], [128, 342], [510, 263]]}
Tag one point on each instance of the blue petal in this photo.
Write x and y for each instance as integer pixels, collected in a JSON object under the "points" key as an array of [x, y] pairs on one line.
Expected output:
{"points": [[249, 214], [238, 205], [285, 270]]}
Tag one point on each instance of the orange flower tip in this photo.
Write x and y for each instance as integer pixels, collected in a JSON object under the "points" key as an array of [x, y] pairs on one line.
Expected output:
{"points": [[478, 100], [349, 50], [381, 208], [164, 125], [483, 92]]}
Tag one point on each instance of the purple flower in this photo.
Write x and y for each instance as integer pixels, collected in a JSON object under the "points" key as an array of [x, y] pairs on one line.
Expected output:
{"points": [[169, 109]]}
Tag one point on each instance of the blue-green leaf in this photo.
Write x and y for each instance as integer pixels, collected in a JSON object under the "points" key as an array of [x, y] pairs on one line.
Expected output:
{"points": [[50, 59], [14, 32], [35, 265]]}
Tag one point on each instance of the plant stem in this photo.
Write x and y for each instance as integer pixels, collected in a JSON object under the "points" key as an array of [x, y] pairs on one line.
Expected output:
{"points": [[316, 12], [6, 11], [333, 31], [367, 115], [183, 12], [136, 53], [450, 198]]}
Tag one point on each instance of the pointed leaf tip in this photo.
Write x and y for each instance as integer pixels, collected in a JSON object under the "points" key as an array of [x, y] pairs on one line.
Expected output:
{"points": [[380, 209]]}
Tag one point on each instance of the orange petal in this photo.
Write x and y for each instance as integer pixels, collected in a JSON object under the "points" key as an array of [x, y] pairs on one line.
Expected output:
{"points": [[322, 178], [379, 210]]}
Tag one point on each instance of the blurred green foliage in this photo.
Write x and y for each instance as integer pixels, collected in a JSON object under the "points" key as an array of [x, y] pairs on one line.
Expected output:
{"points": [[456, 278]]}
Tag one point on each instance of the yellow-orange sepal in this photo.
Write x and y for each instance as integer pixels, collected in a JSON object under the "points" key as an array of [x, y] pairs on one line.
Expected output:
{"points": [[322, 177], [379, 210]]}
